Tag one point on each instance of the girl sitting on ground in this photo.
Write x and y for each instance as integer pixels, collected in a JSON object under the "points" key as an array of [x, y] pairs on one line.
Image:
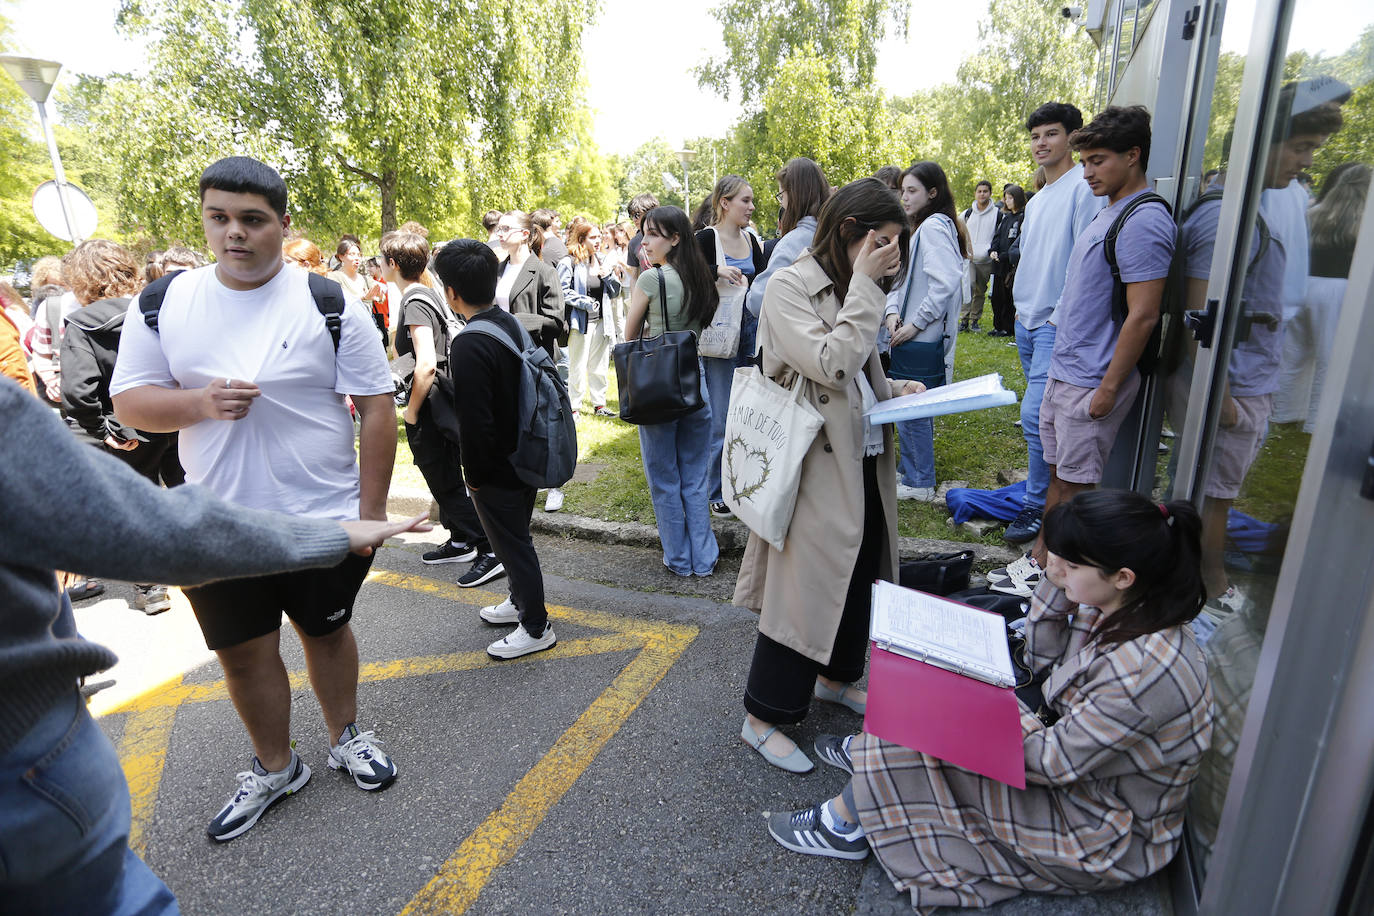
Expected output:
{"points": [[1129, 713]]}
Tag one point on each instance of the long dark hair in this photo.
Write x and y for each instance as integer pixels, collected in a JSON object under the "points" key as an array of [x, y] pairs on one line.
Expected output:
{"points": [[1160, 543], [807, 191], [698, 280], [1018, 196], [846, 217], [933, 178]]}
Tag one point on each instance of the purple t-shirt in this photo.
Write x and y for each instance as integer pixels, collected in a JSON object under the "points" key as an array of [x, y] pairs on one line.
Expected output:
{"points": [[1254, 368], [1086, 335]]}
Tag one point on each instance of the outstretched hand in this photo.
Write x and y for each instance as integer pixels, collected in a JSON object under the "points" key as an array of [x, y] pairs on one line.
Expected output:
{"points": [[366, 536], [878, 261]]}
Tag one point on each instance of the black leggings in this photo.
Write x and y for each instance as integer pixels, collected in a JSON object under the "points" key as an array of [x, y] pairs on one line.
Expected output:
{"points": [[781, 679]]}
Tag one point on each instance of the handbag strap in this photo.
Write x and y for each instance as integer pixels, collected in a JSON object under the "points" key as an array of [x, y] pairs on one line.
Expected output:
{"points": [[662, 303], [910, 274]]}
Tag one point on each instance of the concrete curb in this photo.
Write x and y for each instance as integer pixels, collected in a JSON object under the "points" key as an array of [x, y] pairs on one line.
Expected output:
{"points": [[732, 535]]}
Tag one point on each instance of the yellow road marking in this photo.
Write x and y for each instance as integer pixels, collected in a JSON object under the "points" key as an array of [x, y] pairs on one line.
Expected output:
{"points": [[151, 715], [461, 879]]}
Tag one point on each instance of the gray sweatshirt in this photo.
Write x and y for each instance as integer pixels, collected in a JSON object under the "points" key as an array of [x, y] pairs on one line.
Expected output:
{"points": [[69, 506]]}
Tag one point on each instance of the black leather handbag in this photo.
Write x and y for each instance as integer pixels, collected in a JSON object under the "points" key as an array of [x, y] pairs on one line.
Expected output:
{"points": [[659, 377]]}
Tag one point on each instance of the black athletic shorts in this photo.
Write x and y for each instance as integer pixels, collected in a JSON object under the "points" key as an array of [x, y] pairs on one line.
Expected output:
{"points": [[319, 601]]}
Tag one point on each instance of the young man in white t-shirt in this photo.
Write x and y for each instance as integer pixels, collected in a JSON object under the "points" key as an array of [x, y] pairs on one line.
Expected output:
{"points": [[1055, 217], [244, 364]]}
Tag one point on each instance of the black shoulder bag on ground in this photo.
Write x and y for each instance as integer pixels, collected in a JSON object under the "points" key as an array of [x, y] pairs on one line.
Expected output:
{"points": [[659, 377], [937, 573]]}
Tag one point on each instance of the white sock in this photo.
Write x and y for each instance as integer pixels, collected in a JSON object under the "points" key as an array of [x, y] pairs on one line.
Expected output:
{"points": [[834, 823]]}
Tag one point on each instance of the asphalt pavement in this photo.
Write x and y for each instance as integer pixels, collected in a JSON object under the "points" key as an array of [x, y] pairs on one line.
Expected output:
{"points": [[605, 776]]}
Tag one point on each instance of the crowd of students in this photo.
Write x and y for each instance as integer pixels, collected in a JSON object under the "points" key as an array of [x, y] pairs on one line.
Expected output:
{"points": [[184, 379]]}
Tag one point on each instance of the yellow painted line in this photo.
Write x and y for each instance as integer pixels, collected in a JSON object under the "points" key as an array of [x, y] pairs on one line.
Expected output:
{"points": [[460, 880], [651, 632], [151, 715], [143, 753]]}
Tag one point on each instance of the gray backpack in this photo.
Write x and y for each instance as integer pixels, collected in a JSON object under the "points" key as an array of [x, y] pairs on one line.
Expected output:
{"points": [[546, 447]]}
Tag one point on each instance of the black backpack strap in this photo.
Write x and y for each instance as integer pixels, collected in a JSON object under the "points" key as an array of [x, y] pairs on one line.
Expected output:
{"points": [[494, 330], [329, 299], [1109, 248], [150, 298]]}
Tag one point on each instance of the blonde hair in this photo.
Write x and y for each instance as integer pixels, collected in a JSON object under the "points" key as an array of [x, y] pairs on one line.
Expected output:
{"points": [[100, 269], [47, 270], [727, 189]]}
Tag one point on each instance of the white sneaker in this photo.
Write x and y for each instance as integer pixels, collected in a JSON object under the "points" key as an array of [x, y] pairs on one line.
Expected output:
{"points": [[361, 756], [257, 791], [519, 642], [1019, 578], [920, 494], [554, 501], [1019, 568], [505, 612]]}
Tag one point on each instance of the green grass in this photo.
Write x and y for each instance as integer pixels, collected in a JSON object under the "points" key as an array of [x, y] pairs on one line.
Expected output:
{"points": [[1271, 488], [971, 447]]}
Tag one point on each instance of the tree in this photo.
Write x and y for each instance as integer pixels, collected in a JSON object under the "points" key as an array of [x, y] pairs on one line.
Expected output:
{"points": [[760, 35], [1027, 54], [848, 136], [397, 106]]}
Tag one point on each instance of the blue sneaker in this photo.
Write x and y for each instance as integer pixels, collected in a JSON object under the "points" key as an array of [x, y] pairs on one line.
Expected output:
{"points": [[1024, 527]]}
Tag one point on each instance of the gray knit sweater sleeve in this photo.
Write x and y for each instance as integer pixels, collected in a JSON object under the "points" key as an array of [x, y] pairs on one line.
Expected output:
{"points": [[68, 506]]}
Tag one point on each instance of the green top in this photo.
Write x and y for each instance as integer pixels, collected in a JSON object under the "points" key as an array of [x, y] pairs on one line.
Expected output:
{"points": [[677, 320]]}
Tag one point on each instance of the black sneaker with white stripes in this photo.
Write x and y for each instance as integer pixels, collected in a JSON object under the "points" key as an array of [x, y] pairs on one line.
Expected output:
{"points": [[804, 831], [834, 750]]}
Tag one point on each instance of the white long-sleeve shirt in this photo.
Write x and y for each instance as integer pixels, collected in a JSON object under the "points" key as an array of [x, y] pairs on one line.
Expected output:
{"points": [[1055, 217]]}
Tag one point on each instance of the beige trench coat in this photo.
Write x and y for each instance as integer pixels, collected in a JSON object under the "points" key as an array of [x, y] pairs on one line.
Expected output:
{"points": [[800, 590]]}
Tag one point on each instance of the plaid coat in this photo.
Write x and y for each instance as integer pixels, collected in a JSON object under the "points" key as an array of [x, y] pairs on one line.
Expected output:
{"points": [[1106, 784]]}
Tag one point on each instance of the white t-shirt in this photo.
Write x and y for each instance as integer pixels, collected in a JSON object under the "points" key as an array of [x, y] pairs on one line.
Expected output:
{"points": [[293, 452], [1285, 213], [503, 285]]}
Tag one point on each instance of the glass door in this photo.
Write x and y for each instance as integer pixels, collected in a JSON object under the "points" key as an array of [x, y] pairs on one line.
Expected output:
{"points": [[1267, 246]]}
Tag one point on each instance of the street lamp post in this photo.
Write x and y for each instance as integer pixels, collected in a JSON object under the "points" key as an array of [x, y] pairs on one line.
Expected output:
{"points": [[686, 157], [36, 78]]}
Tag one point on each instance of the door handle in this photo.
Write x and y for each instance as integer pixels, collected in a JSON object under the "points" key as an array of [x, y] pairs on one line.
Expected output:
{"points": [[1203, 322]]}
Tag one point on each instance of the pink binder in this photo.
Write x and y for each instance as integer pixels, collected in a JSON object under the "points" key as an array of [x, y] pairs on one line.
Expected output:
{"points": [[960, 719]]}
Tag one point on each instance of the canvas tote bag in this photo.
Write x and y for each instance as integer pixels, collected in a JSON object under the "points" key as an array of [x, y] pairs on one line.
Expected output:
{"points": [[721, 339], [767, 434]]}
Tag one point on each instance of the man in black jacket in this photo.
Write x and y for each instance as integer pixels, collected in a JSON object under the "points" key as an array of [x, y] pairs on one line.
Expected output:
{"points": [[103, 275], [488, 374]]}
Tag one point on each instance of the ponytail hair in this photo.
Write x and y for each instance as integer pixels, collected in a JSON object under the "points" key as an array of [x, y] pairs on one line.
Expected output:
{"points": [[1160, 542], [698, 279]]}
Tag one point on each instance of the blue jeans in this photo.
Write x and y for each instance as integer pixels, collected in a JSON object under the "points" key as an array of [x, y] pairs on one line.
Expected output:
{"points": [[1035, 349], [64, 824], [916, 461], [720, 375], [675, 456]]}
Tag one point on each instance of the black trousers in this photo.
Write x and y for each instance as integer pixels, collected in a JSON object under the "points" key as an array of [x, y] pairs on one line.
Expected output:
{"points": [[440, 463], [505, 514], [1003, 307], [157, 459], [781, 679]]}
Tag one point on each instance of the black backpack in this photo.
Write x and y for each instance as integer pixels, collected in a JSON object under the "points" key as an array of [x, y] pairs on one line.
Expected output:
{"points": [[546, 438], [1149, 357], [328, 296]]}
